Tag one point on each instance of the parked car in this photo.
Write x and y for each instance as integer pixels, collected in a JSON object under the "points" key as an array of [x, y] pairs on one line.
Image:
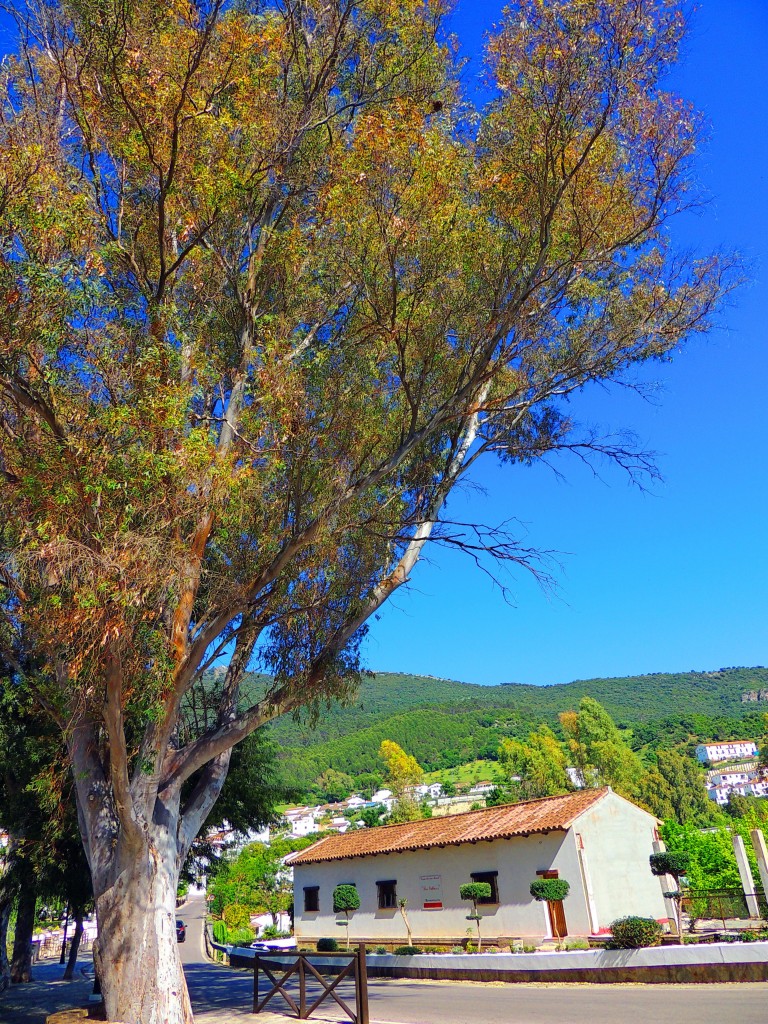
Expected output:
{"points": [[181, 930]]}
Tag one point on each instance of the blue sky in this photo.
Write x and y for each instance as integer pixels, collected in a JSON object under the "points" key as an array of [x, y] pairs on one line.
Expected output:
{"points": [[674, 579]]}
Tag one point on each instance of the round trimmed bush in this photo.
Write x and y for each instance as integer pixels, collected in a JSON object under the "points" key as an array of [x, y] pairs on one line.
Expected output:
{"points": [[635, 933], [475, 891], [550, 890], [327, 946], [670, 862], [345, 898]]}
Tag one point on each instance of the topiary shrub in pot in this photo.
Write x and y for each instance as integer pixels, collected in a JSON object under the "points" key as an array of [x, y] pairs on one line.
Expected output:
{"points": [[475, 891], [327, 946], [346, 898], [674, 863], [635, 933], [550, 890]]}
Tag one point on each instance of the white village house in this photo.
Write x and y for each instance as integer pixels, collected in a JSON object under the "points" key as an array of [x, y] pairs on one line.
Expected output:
{"points": [[594, 839], [725, 751]]}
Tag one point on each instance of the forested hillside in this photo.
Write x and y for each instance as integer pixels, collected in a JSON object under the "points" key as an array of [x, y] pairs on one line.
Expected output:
{"points": [[465, 721]]}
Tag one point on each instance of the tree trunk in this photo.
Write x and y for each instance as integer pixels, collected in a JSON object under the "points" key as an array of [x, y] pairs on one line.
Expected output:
{"points": [[136, 953], [74, 947], [21, 961], [5, 967]]}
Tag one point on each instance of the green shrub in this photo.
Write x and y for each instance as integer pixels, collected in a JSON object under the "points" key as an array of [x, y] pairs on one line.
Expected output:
{"points": [[407, 951], [549, 890], [670, 862], [241, 937], [237, 915], [475, 891], [576, 944], [380, 950], [220, 932], [327, 946], [635, 933], [529, 949], [457, 949], [345, 898]]}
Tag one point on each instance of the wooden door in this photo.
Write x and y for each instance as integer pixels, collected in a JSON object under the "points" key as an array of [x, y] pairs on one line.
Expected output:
{"points": [[557, 918]]}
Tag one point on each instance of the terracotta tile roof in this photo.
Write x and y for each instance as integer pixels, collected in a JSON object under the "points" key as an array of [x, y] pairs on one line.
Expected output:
{"points": [[554, 813]]}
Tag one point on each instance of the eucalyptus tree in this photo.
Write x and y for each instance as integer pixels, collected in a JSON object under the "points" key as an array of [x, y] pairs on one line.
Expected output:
{"points": [[270, 289]]}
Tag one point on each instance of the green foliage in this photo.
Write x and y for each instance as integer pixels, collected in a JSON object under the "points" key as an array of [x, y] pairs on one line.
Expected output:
{"points": [[599, 751], [255, 881], [712, 860], [236, 916], [475, 891], [536, 767], [549, 889], [345, 898], [220, 932], [675, 863], [407, 951], [241, 936], [479, 718], [371, 816], [327, 946], [635, 933], [334, 785]]}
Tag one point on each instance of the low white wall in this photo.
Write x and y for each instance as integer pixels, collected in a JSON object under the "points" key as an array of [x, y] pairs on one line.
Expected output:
{"points": [[657, 956]]}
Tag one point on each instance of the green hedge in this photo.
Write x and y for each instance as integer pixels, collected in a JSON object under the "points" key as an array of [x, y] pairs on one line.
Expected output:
{"points": [[327, 946], [635, 933]]}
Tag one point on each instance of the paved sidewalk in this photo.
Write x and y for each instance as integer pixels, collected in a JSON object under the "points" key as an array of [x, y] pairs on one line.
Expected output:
{"points": [[31, 1003]]}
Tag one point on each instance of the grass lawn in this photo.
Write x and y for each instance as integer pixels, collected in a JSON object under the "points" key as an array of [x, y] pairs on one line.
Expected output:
{"points": [[472, 772]]}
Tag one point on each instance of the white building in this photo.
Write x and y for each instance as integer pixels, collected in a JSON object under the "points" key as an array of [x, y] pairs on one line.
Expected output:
{"points": [[596, 840], [725, 751], [383, 797]]}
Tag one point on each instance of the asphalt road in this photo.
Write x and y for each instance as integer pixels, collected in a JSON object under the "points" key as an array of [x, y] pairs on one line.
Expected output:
{"points": [[225, 994]]}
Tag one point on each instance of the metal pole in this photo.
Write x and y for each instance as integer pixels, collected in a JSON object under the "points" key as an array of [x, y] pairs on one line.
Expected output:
{"points": [[362, 986], [63, 957]]}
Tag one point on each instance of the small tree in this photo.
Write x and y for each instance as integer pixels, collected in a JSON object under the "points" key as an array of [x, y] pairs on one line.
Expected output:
{"points": [[403, 903], [475, 891], [345, 899], [674, 863], [550, 890]]}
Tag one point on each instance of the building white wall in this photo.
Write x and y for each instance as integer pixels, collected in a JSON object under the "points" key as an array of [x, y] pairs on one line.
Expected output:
{"points": [[617, 839], [604, 856], [517, 914]]}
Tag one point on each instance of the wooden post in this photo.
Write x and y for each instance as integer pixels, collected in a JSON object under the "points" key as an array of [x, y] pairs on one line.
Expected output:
{"points": [[302, 989], [362, 986], [256, 983]]}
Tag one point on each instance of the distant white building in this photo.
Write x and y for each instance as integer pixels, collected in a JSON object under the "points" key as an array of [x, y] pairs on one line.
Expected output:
{"points": [[725, 751], [482, 788], [383, 797], [354, 802], [302, 826]]}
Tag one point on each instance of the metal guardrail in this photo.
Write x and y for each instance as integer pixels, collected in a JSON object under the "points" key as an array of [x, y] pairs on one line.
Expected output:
{"points": [[722, 905], [303, 969]]}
